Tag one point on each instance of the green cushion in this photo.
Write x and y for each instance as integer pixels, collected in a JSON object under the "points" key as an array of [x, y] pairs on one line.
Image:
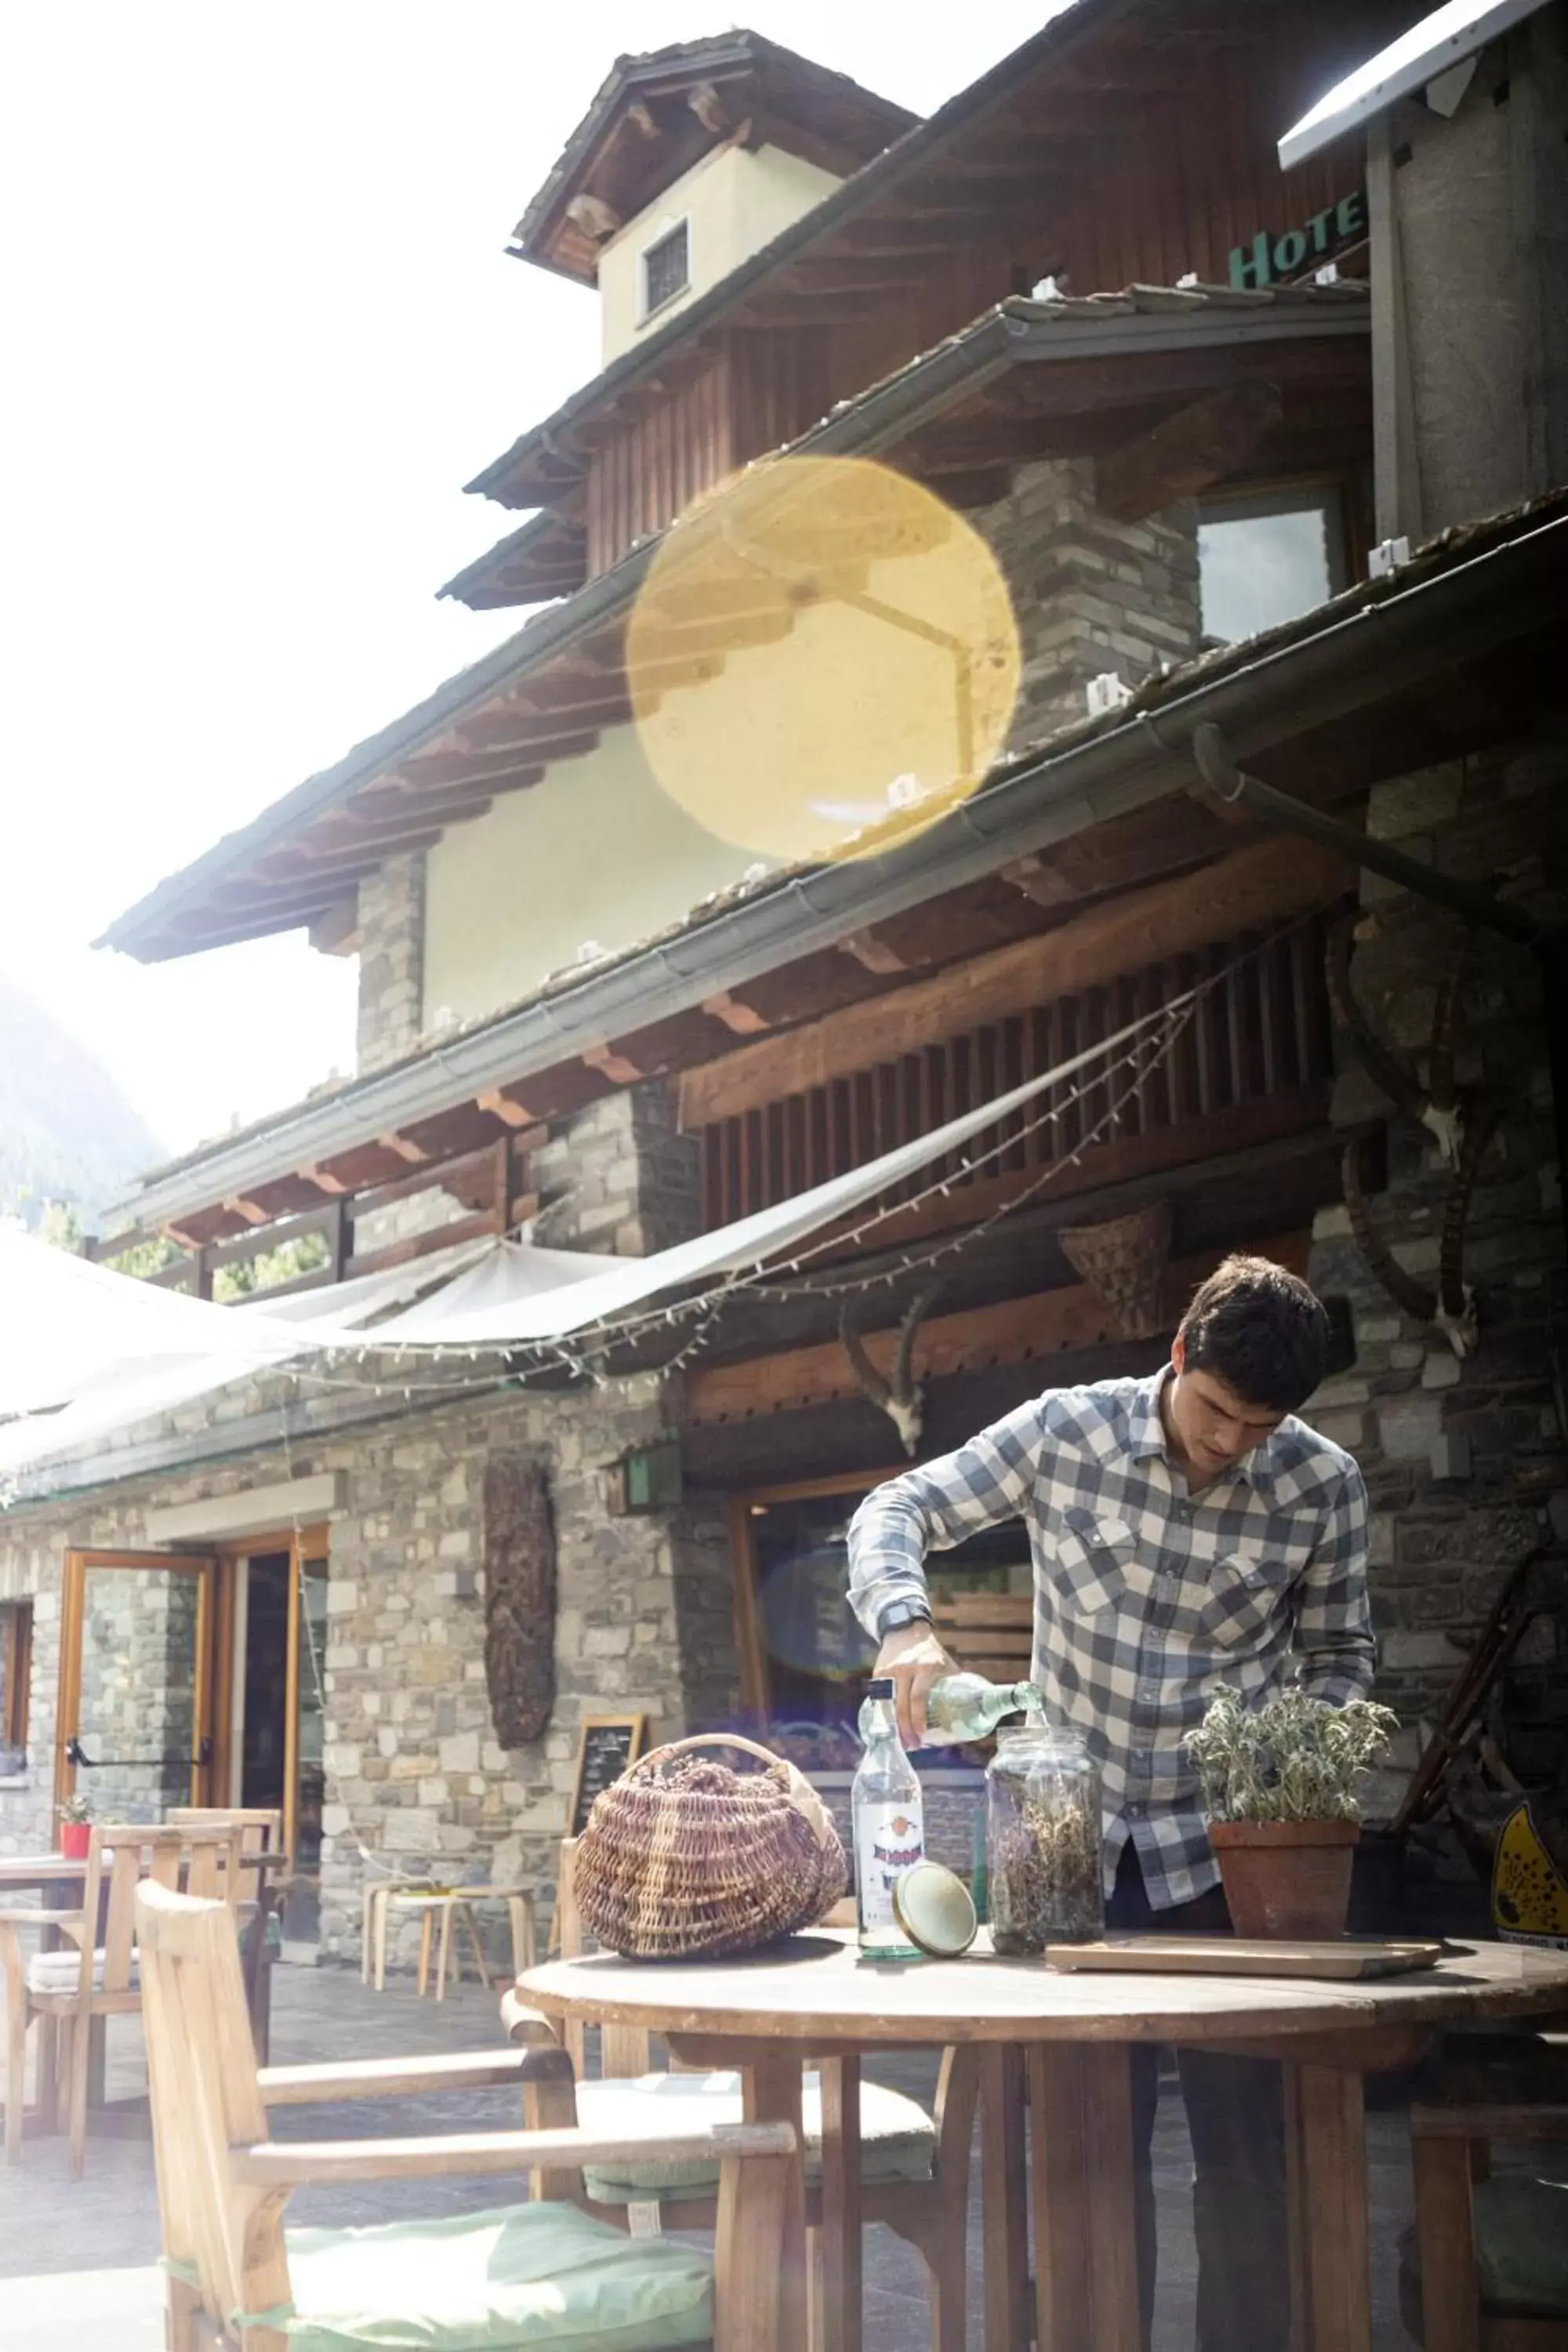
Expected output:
{"points": [[1522, 2246], [539, 2278], [897, 2138], [1521, 2250]]}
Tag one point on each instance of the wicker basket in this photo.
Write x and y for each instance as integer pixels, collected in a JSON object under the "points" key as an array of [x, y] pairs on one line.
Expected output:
{"points": [[684, 1858]]}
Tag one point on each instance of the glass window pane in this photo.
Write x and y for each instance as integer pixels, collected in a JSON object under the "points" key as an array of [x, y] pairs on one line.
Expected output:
{"points": [[1260, 564]]}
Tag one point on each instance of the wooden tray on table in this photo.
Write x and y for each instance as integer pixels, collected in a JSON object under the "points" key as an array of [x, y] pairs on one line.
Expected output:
{"points": [[1346, 1959]]}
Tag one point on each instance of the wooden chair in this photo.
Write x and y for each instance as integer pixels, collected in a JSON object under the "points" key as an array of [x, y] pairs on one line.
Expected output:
{"points": [[1490, 2272], [989, 1633], [914, 2167], [260, 1829], [236, 2280], [67, 1991]]}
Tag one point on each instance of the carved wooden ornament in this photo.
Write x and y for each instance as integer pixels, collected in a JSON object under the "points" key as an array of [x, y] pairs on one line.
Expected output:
{"points": [[1123, 1261], [519, 1598]]}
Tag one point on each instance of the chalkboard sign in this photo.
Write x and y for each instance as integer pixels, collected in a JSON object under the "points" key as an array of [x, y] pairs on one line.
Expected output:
{"points": [[607, 1745]]}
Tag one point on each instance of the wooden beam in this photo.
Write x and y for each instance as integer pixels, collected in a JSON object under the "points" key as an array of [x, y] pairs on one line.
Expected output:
{"points": [[1015, 1331], [323, 1183], [595, 218], [613, 1065], [711, 111], [405, 1148], [1209, 437], [337, 931], [249, 1210], [1040, 881], [641, 115], [504, 1107], [1259, 885], [873, 952], [743, 1019]]}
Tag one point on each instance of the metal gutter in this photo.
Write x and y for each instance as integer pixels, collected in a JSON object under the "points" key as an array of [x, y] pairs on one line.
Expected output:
{"points": [[1407, 633]]}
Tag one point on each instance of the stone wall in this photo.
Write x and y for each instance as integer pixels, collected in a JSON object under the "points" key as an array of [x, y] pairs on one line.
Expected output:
{"points": [[1091, 594], [416, 1779], [619, 1176], [391, 960], [1460, 1456]]}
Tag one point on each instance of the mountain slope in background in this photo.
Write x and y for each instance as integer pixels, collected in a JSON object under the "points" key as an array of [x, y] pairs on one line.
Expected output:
{"points": [[67, 1132]]}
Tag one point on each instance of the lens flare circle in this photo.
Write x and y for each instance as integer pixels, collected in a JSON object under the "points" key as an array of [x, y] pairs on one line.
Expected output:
{"points": [[822, 659]]}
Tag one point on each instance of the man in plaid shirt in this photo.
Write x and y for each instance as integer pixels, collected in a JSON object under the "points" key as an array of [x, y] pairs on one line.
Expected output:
{"points": [[1188, 1533]]}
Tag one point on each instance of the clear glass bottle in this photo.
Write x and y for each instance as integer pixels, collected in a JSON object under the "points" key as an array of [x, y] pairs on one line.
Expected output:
{"points": [[963, 1708], [889, 1828], [1044, 1840]]}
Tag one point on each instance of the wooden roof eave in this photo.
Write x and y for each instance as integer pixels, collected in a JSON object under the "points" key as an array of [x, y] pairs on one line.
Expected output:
{"points": [[1474, 599]]}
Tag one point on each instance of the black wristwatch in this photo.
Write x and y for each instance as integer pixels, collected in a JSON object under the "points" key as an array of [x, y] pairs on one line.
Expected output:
{"points": [[899, 1613]]}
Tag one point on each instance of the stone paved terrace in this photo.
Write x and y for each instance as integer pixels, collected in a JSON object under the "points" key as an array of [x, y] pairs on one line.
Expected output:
{"points": [[78, 2262]]}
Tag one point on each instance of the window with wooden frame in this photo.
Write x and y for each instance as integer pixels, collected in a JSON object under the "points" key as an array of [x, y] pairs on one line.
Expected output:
{"points": [[666, 268], [803, 1657], [1274, 552], [16, 1672]]}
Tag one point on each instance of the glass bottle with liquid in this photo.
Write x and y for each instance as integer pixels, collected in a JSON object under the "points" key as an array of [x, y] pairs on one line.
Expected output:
{"points": [[964, 1707], [889, 1827]]}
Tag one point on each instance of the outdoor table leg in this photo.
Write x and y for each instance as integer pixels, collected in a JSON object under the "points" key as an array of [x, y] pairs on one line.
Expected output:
{"points": [[772, 2081], [841, 2226], [1002, 2200], [1086, 2254], [1328, 2208]]}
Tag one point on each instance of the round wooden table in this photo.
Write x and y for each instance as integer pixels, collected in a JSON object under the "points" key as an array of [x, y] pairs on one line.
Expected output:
{"points": [[1070, 2035]]}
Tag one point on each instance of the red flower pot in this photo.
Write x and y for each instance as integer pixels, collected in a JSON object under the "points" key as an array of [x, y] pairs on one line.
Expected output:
{"points": [[76, 1837], [1286, 1880]]}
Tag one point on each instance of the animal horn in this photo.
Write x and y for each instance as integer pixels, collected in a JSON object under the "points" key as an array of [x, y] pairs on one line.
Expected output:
{"points": [[1453, 1298], [915, 1314], [860, 1364], [1398, 1081], [1401, 1288]]}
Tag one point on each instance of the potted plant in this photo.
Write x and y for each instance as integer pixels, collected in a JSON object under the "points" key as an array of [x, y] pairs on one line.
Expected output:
{"points": [[76, 1828], [1281, 1787]]}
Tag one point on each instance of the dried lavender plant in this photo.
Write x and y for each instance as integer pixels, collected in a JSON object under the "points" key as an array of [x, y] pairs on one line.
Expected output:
{"points": [[1295, 1759], [1046, 1878]]}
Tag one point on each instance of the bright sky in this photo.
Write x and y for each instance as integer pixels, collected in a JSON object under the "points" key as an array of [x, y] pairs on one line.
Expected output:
{"points": [[261, 329]]}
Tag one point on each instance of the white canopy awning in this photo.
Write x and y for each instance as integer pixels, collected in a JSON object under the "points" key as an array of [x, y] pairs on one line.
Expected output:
{"points": [[121, 1350]]}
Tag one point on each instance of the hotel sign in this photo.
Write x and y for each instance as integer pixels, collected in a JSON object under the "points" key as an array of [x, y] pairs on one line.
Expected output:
{"points": [[1274, 255]]}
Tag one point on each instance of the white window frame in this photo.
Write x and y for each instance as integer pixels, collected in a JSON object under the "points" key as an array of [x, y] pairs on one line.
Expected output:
{"points": [[667, 229]]}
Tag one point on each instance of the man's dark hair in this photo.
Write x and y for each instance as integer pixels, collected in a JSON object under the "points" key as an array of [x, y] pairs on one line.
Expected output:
{"points": [[1260, 1330]]}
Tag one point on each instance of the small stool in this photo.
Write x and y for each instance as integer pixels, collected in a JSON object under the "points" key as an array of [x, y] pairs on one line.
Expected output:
{"points": [[378, 1894], [457, 1904]]}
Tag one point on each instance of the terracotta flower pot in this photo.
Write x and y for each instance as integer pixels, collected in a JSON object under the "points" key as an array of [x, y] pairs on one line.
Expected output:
{"points": [[76, 1837], [1286, 1879]]}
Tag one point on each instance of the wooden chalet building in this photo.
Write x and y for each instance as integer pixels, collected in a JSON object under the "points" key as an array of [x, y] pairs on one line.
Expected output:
{"points": [[1173, 388]]}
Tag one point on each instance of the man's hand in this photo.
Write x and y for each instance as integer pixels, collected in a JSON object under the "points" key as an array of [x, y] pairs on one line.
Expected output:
{"points": [[915, 1659]]}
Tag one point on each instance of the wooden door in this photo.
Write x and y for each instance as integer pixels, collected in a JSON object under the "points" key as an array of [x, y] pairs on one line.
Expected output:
{"points": [[135, 1723]]}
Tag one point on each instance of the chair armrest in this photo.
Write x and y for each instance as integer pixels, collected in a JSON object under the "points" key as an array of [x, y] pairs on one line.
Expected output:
{"points": [[70, 1923], [1524, 2122], [284, 2164], [528, 2028], [392, 2078]]}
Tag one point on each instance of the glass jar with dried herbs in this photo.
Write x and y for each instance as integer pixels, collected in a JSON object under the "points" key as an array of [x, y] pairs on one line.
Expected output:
{"points": [[1043, 1840]]}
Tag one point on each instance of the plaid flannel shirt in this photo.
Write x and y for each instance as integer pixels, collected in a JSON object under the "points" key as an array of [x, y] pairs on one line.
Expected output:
{"points": [[1148, 1599]]}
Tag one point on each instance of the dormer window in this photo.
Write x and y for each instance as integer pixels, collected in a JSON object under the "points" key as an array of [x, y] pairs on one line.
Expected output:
{"points": [[666, 268]]}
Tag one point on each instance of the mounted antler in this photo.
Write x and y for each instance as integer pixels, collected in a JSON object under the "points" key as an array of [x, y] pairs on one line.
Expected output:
{"points": [[1450, 1308], [1434, 1105], [899, 1398]]}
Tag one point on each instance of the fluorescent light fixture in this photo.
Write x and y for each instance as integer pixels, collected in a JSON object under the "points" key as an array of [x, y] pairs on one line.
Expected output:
{"points": [[1440, 40]]}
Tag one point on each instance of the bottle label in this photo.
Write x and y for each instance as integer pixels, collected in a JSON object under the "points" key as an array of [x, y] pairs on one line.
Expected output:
{"points": [[888, 1840]]}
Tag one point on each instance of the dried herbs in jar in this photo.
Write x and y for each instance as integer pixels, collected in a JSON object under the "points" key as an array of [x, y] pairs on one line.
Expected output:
{"points": [[1043, 1842]]}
